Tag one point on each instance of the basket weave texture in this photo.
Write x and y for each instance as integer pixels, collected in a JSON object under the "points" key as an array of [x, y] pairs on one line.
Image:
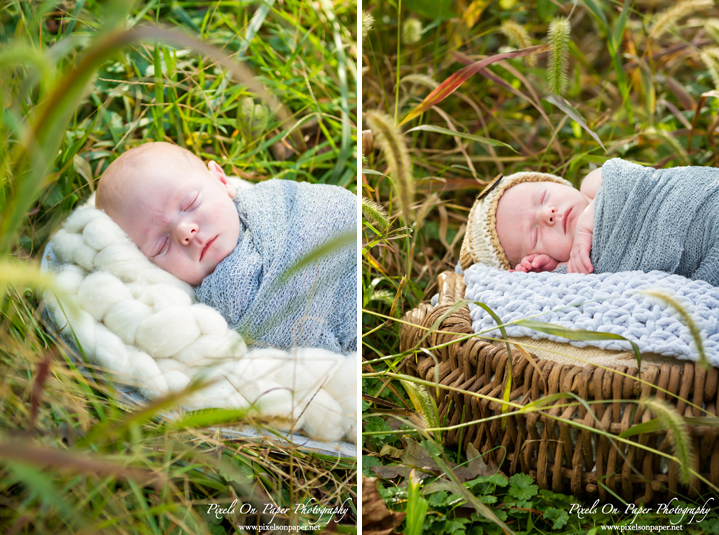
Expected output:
{"points": [[561, 457]]}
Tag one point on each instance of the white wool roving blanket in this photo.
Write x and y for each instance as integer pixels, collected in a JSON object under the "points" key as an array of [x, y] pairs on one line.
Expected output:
{"points": [[608, 302], [146, 327]]}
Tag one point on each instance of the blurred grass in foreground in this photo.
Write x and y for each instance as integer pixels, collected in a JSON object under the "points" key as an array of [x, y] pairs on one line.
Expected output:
{"points": [[83, 81]]}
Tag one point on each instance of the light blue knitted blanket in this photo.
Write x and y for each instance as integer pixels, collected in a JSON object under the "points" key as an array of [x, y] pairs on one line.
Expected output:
{"points": [[282, 222], [667, 219], [602, 303]]}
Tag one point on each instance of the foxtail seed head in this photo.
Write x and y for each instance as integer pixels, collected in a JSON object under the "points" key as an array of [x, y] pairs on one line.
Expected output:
{"points": [[559, 30], [388, 136], [518, 38], [667, 19], [673, 422]]}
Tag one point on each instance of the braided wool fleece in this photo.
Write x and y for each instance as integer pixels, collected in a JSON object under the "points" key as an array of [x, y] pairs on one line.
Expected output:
{"points": [[612, 305], [145, 326]]}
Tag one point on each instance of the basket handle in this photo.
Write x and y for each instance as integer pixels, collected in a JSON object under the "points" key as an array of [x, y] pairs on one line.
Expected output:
{"points": [[451, 287]]}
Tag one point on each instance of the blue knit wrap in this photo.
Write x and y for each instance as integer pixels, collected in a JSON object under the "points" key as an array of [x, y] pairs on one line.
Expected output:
{"points": [[610, 302], [281, 222], [657, 219]]}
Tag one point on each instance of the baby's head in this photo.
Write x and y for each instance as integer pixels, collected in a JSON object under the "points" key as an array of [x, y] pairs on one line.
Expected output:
{"points": [[525, 213], [178, 212]]}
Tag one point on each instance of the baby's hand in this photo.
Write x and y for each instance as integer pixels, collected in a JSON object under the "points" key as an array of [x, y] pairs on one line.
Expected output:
{"points": [[579, 261], [536, 263]]}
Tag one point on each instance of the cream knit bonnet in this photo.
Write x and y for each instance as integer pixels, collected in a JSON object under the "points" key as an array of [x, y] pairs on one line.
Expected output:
{"points": [[481, 243]]}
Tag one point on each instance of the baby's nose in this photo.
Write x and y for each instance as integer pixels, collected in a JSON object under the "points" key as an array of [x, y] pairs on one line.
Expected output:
{"points": [[549, 215], [186, 232]]}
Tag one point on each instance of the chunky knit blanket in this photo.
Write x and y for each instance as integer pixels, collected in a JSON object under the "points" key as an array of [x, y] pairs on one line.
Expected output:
{"points": [[609, 302], [145, 327], [283, 222], [667, 219]]}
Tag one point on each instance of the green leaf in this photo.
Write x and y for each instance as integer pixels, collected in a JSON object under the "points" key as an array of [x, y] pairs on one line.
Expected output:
{"points": [[456, 524], [208, 418], [558, 517], [567, 108], [497, 479], [522, 487], [438, 498], [594, 8], [471, 137], [451, 84], [647, 427], [367, 463], [620, 24], [378, 424]]}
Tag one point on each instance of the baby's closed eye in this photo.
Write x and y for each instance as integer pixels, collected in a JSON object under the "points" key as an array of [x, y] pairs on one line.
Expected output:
{"points": [[163, 247], [194, 202]]}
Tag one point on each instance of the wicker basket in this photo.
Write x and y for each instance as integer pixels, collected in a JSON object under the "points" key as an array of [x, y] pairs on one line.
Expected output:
{"points": [[561, 457]]}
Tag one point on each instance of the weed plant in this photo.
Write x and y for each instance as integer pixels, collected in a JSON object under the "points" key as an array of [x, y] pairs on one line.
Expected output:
{"points": [[635, 80], [264, 88]]}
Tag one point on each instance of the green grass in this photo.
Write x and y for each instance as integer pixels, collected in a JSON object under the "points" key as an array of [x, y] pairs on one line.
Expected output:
{"points": [[83, 81], [643, 98]]}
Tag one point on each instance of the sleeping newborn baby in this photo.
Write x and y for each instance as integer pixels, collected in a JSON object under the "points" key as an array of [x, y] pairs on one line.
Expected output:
{"points": [[625, 217], [249, 253]]}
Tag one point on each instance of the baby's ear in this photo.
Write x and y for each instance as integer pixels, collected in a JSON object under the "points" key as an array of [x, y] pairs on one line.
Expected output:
{"points": [[217, 172]]}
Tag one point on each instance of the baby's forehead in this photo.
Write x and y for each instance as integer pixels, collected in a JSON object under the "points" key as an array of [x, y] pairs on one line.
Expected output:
{"points": [[524, 190], [153, 174]]}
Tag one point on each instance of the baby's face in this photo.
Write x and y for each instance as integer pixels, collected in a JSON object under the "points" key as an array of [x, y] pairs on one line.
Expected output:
{"points": [[179, 214], [539, 218]]}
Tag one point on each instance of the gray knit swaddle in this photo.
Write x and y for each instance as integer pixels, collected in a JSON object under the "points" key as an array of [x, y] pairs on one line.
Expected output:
{"points": [[666, 219], [282, 222]]}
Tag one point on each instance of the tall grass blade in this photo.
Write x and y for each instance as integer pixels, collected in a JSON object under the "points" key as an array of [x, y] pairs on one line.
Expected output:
{"points": [[76, 462], [416, 506], [508, 385], [41, 484], [256, 23], [451, 84], [613, 38], [461, 135], [573, 114], [346, 146], [687, 320], [578, 334]]}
